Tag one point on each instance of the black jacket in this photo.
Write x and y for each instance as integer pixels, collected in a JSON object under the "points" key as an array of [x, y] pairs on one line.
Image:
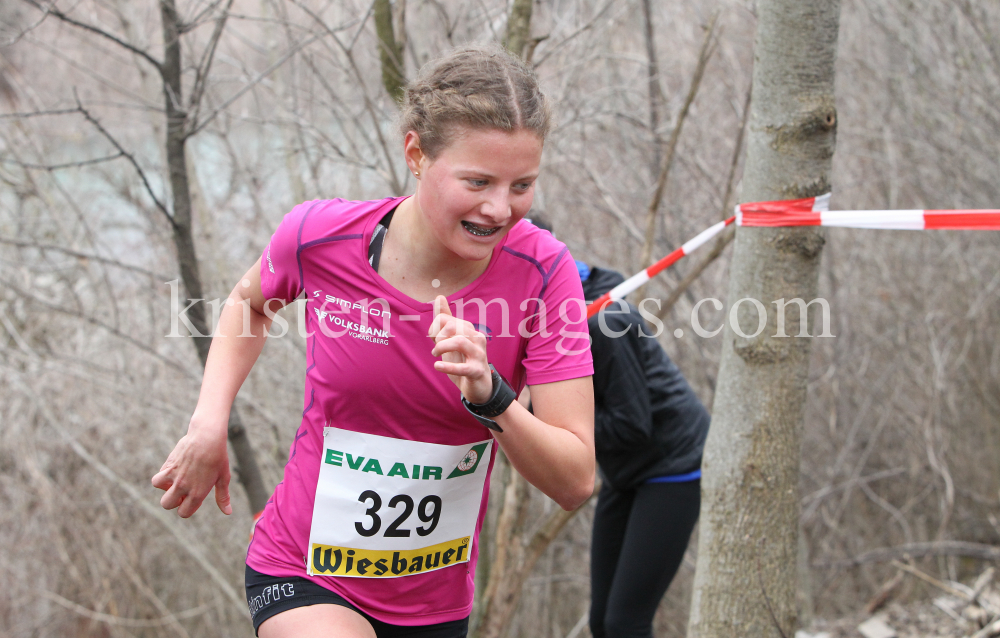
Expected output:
{"points": [[647, 420]]}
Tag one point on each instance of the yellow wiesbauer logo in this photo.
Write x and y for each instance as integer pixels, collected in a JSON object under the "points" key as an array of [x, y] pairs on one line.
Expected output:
{"points": [[327, 560]]}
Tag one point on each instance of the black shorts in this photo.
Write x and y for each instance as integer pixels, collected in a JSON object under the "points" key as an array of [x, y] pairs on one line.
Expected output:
{"points": [[268, 596]]}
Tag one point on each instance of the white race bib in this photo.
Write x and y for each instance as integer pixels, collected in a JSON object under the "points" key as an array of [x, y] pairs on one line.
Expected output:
{"points": [[387, 507]]}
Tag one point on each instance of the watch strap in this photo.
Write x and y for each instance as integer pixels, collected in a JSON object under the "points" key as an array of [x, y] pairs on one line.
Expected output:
{"points": [[503, 395]]}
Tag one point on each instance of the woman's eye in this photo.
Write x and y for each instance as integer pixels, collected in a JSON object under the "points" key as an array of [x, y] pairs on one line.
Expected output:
{"points": [[478, 183], [523, 187]]}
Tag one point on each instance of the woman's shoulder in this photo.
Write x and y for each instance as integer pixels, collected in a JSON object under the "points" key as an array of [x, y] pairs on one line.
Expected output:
{"points": [[529, 242], [322, 218]]}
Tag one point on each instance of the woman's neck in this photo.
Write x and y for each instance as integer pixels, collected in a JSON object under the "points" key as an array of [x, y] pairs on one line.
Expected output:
{"points": [[413, 260]]}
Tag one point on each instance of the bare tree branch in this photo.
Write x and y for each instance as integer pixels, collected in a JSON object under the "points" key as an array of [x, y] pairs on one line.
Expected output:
{"points": [[517, 554], [585, 27], [87, 256], [735, 161], [196, 127], [613, 207], [118, 621], [57, 167], [24, 31], [131, 158], [184, 540], [4, 116], [978, 551], [56, 13], [655, 92], [205, 65], [96, 322], [86, 69], [394, 182], [196, 21], [361, 26], [727, 236], [707, 48]]}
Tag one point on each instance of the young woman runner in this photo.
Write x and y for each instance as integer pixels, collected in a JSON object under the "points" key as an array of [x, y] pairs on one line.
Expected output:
{"points": [[426, 315]]}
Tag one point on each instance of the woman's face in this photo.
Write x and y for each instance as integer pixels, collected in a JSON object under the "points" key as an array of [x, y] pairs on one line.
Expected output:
{"points": [[477, 187]]}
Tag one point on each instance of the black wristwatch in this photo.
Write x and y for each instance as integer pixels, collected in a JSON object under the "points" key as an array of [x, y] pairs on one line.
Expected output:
{"points": [[503, 395]]}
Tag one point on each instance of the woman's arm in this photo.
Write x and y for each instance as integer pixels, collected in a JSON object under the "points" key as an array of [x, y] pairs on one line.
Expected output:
{"points": [[554, 447], [554, 450], [200, 460]]}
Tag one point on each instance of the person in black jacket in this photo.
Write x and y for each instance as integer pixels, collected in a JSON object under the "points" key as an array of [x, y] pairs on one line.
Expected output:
{"points": [[649, 431]]}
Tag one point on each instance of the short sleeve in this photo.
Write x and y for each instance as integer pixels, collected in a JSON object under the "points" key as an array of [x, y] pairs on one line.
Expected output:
{"points": [[280, 270], [559, 346]]}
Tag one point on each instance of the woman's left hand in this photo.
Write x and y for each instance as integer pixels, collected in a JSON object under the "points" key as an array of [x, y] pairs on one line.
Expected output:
{"points": [[462, 349]]}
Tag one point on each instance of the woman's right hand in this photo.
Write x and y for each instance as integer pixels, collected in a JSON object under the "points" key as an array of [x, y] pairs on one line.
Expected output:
{"points": [[198, 463]]}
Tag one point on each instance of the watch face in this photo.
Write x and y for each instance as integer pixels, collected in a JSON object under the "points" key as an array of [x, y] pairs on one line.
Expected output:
{"points": [[469, 461]]}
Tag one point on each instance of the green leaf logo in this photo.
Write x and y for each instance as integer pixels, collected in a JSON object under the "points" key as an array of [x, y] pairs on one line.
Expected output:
{"points": [[470, 461]]}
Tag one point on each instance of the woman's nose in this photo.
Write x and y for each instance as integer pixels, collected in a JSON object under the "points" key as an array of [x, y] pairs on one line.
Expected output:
{"points": [[497, 206]]}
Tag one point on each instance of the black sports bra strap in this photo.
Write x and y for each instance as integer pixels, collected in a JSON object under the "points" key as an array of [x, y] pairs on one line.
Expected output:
{"points": [[378, 239]]}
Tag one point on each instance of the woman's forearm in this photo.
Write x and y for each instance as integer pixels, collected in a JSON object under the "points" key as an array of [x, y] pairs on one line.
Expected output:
{"points": [[236, 345], [554, 451]]}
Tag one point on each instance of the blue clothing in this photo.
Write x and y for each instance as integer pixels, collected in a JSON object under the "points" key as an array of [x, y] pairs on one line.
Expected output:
{"points": [[676, 478]]}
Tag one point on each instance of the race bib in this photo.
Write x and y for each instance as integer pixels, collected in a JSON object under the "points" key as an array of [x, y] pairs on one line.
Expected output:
{"points": [[387, 508]]}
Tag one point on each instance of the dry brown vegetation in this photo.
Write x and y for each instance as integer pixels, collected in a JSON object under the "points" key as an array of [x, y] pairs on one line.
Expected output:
{"points": [[903, 426]]}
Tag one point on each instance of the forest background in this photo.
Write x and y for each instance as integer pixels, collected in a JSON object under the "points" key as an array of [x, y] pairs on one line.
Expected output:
{"points": [[284, 101]]}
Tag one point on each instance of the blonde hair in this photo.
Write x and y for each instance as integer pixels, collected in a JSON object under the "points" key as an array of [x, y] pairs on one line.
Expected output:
{"points": [[479, 86]]}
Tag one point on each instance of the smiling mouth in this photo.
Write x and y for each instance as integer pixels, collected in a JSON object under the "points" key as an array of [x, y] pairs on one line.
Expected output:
{"points": [[480, 231]]}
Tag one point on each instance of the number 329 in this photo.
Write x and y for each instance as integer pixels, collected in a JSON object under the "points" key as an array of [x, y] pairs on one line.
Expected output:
{"points": [[429, 511]]}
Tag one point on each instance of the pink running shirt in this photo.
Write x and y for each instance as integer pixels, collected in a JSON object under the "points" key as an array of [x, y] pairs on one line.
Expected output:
{"points": [[371, 371]]}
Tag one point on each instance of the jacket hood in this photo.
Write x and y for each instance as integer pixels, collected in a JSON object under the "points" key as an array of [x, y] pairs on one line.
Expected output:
{"points": [[600, 281]]}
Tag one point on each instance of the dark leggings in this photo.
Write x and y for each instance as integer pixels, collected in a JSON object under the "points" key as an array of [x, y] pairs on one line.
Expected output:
{"points": [[640, 536]]}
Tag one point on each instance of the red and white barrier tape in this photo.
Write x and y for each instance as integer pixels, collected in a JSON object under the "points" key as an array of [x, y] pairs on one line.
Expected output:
{"points": [[812, 211], [815, 211], [633, 282]]}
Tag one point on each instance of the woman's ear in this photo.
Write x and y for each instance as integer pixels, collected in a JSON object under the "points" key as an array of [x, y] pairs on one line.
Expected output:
{"points": [[416, 160]]}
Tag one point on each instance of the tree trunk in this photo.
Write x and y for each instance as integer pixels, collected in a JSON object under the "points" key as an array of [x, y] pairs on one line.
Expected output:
{"points": [[746, 580], [518, 28], [390, 50], [500, 597], [247, 470]]}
